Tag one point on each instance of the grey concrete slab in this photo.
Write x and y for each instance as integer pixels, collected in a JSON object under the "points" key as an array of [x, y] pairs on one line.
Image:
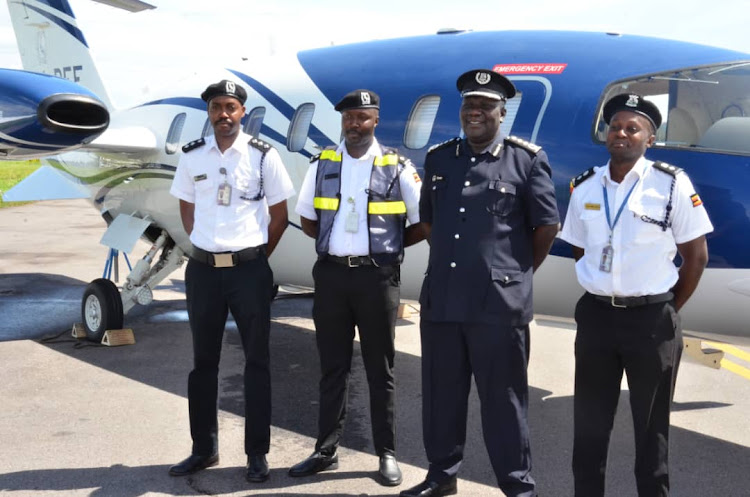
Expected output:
{"points": [[81, 421]]}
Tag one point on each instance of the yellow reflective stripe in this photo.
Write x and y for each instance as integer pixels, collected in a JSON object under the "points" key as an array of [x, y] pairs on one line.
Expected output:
{"points": [[330, 155], [386, 160], [326, 204], [386, 208]]}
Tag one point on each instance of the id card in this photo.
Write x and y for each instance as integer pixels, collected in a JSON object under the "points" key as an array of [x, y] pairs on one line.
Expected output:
{"points": [[605, 264], [352, 222], [224, 194]]}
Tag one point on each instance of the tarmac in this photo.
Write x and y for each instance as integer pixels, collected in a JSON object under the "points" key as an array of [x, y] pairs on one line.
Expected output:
{"points": [[78, 419]]}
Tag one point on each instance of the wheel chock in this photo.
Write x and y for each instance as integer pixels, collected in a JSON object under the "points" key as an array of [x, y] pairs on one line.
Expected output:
{"points": [[114, 338], [708, 357], [79, 331]]}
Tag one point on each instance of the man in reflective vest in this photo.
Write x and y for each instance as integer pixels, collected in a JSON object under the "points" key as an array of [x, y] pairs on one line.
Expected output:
{"points": [[355, 201]]}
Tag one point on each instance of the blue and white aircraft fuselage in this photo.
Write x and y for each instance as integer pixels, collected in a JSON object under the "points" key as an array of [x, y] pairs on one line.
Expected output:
{"points": [[563, 79]]}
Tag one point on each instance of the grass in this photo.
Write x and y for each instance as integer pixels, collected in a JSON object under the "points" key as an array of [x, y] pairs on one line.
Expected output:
{"points": [[11, 173]]}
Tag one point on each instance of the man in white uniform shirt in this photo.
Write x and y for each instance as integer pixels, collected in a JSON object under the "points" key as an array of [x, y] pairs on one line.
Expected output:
{"points": [[233, 190], [354, 201], [626, 221]]}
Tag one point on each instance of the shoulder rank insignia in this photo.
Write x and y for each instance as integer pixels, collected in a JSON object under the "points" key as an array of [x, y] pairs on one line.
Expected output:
{"points": [[581, 178], [667, 168], [260, 144], [194, 144], [444, 144], [534, 149]]}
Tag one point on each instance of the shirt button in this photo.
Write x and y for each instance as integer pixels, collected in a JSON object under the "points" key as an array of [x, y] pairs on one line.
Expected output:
{"points": [[456, 236], [461, 210], [473, 159], [467, 183], [453, 264]]}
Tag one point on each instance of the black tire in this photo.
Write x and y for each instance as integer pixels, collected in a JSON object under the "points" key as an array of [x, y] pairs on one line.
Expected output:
{"points": [[101, 309]]}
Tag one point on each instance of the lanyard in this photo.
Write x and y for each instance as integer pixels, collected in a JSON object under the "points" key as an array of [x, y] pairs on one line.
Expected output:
{"points": [[619, 211]]}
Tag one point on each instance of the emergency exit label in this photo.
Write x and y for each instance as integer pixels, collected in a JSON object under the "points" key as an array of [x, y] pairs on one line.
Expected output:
{"points": [[529, 68]]}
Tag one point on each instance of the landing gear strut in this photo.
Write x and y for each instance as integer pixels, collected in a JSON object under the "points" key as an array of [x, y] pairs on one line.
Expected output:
{"points": [[103, 305]]}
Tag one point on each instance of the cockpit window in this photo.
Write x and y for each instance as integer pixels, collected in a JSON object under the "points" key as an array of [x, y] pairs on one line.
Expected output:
{"points": [[703, 108]]}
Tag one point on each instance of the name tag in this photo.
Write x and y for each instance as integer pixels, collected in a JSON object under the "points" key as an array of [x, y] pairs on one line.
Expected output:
{"points": [[200, 177], [592, 207]]}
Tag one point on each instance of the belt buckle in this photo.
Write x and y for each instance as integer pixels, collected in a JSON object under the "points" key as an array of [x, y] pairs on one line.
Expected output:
{"points": [[349, 260], [617, 305], [223, 260]]}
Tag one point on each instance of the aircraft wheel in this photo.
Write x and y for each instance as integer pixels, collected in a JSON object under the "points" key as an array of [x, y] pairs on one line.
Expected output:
{"points": [[101, 309]]}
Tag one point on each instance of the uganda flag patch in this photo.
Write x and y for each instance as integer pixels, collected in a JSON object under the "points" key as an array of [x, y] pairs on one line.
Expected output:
{"points": [[696, 200], [417, 178]]}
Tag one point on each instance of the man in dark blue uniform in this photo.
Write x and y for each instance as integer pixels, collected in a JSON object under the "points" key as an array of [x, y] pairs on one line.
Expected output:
{"points": [[488, 204]]}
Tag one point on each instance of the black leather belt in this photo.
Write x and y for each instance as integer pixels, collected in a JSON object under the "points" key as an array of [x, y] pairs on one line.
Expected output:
{"points": [[227, 259], [615, 301], [351, 260]]}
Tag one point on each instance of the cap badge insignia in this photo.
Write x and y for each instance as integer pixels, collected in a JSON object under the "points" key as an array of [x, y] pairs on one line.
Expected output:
{"points": [[632, 101], [364, 97], [229, 87], [482, 78]]}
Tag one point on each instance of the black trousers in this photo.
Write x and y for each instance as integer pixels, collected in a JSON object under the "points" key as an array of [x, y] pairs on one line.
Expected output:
{"points": [[646, 343], [245, 290], [497, 356], [366, 297]]}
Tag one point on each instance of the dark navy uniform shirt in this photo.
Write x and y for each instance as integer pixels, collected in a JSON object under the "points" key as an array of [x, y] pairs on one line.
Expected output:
{"points": [[483, 208]]}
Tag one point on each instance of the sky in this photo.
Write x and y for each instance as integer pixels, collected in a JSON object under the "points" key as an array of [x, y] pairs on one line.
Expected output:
{"points": [[139, 52]]}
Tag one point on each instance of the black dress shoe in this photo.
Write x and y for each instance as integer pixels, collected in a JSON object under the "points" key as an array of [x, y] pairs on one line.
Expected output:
{"points": [[316, 463], [388, 471], [193, 464], [431, 489], [257, 469]]}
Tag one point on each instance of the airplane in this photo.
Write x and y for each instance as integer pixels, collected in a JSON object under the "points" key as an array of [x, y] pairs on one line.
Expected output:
{"points": [[563, 79]]}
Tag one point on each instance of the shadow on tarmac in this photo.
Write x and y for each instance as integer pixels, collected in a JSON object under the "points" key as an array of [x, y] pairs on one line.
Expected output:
{"points": [[161, 358]]}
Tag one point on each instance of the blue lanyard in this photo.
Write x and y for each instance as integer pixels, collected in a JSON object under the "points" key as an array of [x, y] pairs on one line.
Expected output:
{"points": [[619, 211]]}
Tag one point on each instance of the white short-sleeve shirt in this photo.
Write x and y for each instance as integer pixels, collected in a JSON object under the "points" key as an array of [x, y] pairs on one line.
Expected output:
{"points": [[244, 222], [643, 252], [355, 180]]}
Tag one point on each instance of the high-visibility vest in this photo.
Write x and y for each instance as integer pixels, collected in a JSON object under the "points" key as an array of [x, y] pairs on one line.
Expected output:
{"points": [[386, 210]]}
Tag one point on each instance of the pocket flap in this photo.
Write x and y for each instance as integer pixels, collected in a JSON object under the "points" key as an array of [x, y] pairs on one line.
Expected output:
{"points": [[506, 276], [503, 186]]}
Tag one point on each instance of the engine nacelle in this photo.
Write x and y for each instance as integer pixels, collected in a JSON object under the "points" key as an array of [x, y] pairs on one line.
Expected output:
{"points": [[42, 115]]}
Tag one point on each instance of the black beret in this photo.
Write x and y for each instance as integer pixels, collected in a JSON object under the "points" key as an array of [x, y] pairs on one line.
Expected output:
{"points": [[359, 99], [485, 83], [632, 102], [225, 87]]}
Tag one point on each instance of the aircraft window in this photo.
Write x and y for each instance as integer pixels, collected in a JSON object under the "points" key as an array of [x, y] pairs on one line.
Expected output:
{"points": [[299, 127], [175, 132], [511, 111], [208, 130], [703, 108], [420, 122], [255, 121]]}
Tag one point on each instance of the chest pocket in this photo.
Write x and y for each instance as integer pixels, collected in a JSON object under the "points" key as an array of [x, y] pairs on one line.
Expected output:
{"points": [[502, 198], [595, 224]]}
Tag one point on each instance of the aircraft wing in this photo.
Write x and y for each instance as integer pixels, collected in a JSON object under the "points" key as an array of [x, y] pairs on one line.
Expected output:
{"points": [[46, 183]]}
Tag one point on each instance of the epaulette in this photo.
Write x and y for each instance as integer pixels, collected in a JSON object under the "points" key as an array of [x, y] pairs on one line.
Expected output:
{"points": [[534, 149], [581, 178], [667, 168], [193, 145], [445, 144], [260, 144]]}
